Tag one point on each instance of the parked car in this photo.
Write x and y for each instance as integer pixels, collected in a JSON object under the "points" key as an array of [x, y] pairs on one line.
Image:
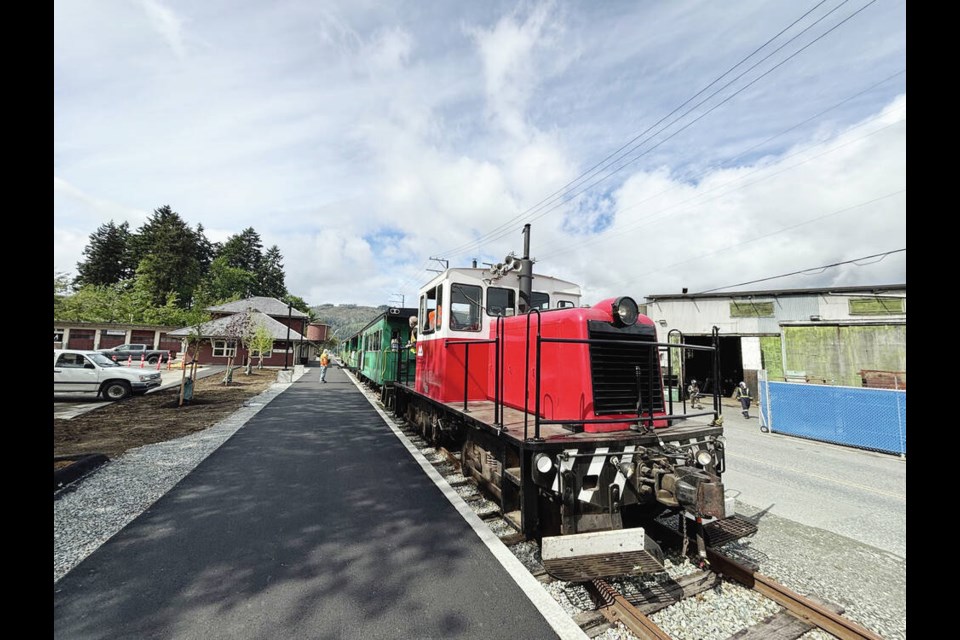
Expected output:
{"points": [[93, 372], [136, 352]]}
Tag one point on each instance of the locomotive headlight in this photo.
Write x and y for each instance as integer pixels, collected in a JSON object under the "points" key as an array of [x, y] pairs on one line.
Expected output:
{"points": [[704, 458], [625, 311], [543, 463]]}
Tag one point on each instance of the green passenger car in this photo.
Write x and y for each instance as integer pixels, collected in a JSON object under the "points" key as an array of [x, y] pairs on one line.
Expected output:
{"points": [[383, 352]]}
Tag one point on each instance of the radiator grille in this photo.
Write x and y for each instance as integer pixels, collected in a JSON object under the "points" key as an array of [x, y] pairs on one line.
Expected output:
{"points": [[613, 367]]}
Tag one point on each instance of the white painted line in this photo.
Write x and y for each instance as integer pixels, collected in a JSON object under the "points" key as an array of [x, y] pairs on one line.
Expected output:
{"points": [[554, 614]]}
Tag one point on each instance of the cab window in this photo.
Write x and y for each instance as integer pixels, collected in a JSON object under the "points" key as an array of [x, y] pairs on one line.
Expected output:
{"points": [[501, 302], [465, 303], [540, 300], [431, 309]]}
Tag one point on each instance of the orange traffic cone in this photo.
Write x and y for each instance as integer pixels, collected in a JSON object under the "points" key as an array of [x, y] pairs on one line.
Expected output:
{"points": [[142, 359], [130, 360]]}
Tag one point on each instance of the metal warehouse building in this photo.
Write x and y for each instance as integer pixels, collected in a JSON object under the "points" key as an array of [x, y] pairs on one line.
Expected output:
{"points": [[851, 336]]}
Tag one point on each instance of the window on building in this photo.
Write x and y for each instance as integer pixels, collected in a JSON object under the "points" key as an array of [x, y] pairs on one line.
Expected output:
{"points": [[465, 303], [58, 335], [501, 302], [224, 348], [751, 309], [876, 306]]}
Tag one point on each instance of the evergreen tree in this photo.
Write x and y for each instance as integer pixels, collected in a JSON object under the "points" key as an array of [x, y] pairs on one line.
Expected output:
{"points": [[167, 256], [108, 256], [271, 277], [224, 282], [206, 250], [243, 250]]}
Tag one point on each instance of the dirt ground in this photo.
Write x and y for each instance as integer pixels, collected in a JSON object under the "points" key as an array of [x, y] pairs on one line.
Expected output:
{"points": [[155, 417]]}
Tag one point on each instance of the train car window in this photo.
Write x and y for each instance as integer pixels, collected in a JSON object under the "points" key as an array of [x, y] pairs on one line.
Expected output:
{"points": [[431, 307], [422, 320], [563, 304], [501, 302], [465, 303], [540, 300]]}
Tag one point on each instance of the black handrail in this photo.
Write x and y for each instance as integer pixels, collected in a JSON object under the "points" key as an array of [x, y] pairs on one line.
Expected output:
{"points": [[497, 409], [466, 362], [682, 397], [526, 381], [717, 406]]}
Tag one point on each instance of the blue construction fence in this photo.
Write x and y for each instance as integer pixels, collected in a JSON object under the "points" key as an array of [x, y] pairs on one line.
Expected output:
{"points": [[874, 419]]}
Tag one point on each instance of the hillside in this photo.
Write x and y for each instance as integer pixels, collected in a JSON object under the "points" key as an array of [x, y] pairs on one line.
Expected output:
{"points": [[346, 319]]}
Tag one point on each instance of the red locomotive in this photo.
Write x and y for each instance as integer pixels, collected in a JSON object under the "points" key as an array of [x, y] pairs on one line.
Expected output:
{"points": [[559, 411]]}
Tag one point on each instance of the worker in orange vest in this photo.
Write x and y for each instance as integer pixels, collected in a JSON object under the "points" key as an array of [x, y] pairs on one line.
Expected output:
{"points": [[324, 361]]}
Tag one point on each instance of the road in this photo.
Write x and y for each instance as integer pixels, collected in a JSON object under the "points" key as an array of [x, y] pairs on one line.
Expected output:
{"points": [[857, 494]]}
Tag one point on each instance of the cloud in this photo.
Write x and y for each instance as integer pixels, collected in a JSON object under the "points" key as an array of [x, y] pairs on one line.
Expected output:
{"points": [[363, 138], [167, 24]]}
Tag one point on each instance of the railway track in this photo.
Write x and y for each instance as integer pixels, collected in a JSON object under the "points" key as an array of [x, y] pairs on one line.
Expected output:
{"points": [[613, 606]]}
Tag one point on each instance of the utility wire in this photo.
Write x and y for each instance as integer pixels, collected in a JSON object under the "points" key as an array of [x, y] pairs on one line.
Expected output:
{"points": [[567, 197], [815, 270], [599, 165], [656, 217], [698, 118]]}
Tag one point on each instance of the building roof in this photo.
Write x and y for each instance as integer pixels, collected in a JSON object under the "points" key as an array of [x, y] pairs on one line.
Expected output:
{"points": [[772, 293], [217, 328], [264, 304]]}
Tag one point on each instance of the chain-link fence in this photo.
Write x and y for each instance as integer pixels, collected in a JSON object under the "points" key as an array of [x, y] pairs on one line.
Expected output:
{"points": [[874, 419]]}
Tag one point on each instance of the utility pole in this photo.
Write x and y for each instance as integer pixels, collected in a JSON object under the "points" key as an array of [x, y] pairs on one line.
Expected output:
{"points": [[286, 355], [443, 261], [402, 299]]}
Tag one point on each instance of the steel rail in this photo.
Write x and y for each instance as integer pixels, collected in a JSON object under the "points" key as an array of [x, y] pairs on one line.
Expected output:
{"points": [[617, 608], [800, 606]]}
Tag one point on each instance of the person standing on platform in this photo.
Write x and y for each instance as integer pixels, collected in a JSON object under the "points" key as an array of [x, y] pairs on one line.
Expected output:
{"points": [[743, 395], [324, 361]]}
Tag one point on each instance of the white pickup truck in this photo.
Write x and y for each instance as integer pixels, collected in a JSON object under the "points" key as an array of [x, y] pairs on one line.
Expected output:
{"points": [[92, 372]]}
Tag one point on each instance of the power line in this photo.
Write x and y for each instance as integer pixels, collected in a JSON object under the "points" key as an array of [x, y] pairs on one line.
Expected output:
{"points": [[655, 217], [613, 158], [806, 271], [707, 112]]}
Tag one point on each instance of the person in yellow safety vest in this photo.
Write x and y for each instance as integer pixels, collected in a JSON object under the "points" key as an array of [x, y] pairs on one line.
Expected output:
{"points": [[413, 335], [324, 361]]}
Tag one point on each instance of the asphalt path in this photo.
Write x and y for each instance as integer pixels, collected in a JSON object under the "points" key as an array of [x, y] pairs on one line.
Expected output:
{"points": [[312, 521], [851, 492]]}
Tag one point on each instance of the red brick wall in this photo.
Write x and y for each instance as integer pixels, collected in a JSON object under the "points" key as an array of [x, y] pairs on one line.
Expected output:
{"points": [[205, 356]]}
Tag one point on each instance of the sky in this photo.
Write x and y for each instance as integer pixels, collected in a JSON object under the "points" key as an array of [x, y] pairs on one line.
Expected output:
{"points": [[652, 146]]}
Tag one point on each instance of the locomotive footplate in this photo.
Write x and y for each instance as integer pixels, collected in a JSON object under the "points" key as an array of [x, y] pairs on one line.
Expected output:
{"points": [[720, 532], [585, 556]]}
